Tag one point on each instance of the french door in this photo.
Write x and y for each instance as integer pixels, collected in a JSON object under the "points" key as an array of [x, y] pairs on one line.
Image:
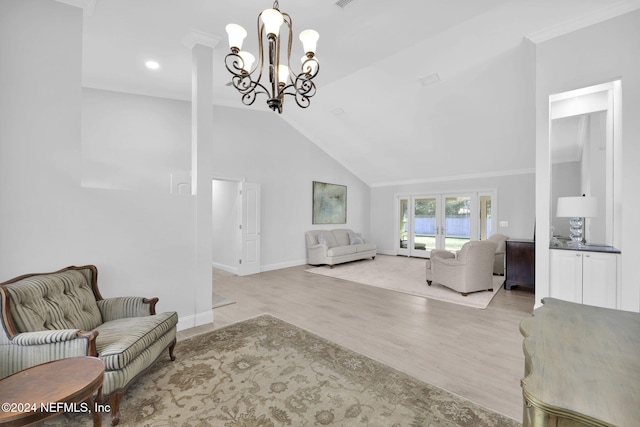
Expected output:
{"points": [[419, 232], [442, 221]]}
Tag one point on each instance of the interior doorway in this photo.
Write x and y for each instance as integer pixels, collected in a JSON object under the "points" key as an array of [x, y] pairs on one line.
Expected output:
{"points": [[236, 236]]}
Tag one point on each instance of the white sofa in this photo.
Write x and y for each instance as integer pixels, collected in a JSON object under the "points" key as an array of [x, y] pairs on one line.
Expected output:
{"points": [[337, 246]]}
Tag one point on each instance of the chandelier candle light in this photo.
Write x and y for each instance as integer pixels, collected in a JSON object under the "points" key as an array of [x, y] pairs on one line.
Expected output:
{"points": [[282, 81]]}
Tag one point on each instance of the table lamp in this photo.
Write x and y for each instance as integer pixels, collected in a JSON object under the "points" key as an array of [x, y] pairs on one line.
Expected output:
{"points": [[577, 208]]}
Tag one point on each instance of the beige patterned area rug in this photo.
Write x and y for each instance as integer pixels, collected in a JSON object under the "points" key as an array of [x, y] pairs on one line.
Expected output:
{"points": [[264, 372], [407, 275]]}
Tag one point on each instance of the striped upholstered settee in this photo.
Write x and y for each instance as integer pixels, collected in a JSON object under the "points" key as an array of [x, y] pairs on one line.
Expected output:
{"points": [[56, 315]]}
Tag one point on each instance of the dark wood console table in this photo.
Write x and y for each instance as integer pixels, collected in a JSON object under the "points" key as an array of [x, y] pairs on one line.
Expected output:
{"points": [[45, 390], [520, 264]]}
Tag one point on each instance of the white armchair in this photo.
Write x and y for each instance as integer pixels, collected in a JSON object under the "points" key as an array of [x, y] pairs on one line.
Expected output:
{"points": [[498, 263], [470, 270]]}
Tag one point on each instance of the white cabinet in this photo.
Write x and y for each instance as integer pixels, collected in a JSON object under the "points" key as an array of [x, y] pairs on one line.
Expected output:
{"points": [[585, 277], [566, 275]]}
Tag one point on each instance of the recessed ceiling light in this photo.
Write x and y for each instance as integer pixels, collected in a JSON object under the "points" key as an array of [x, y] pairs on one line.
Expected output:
{"points": [[152, 65]]}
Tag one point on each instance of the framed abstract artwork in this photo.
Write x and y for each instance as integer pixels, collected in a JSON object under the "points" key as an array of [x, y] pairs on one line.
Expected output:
{"points": [[329, 203]]}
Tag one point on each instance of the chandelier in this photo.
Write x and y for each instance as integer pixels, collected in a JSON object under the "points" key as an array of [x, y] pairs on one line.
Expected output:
{"points": [[282, 81]]}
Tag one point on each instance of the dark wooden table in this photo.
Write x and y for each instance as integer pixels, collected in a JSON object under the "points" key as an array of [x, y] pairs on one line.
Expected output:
{"points": [[520, 264], [45, 390]]}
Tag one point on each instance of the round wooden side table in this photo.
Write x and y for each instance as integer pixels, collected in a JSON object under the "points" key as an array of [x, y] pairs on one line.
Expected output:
{"points": [[44, 391]]}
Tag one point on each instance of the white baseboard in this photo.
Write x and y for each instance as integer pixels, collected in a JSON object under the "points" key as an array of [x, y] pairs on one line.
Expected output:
{"points": [[270, 267], [385, 252], [280, 265], [194, 320], [227, 268]]}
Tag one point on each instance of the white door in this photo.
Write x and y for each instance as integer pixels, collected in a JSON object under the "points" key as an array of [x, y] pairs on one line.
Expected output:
{"points": [[424, 235], [418, 231], [249, 262], [599, 279], [442, 221], [404, 222], [565, 281], [456, 221]]}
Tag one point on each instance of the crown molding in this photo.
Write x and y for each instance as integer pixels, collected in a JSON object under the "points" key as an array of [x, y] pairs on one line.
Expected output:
{"points": [[456, 177], [88, 6], [200, 37], [569, 26]]}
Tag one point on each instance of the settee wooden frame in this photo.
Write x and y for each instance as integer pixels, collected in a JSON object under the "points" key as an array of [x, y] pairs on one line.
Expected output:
{"points": [[115, 397]]}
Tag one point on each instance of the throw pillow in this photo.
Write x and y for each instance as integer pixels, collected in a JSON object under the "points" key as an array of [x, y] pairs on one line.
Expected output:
{"points": [[322, 240], [355, 239]]}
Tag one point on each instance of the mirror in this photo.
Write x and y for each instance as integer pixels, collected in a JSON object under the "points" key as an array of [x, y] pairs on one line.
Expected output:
{"points": [[582, 160]]}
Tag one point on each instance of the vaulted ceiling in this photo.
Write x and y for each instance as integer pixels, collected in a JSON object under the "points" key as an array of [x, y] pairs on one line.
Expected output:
{"points": [[408, 90]]}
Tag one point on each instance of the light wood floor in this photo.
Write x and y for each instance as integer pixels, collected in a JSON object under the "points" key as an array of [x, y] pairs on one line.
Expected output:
{"points": [[474, 353]]}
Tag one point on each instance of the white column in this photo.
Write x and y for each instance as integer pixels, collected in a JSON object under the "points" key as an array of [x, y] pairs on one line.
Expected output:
{"points": [[201, 46]]}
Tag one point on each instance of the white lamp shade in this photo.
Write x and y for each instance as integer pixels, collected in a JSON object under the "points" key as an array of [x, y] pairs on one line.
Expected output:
{"points": [[577, 207], [309, 39], [248, 60], [236, 34], [283, 73], [272, 19]]}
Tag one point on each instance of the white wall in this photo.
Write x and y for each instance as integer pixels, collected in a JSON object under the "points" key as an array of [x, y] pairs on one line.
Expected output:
{"points": [[260, 147], [255, 146], [142, 242], [596, 54], [226, 220], [515, 203], [142, 239], [596, 171], [565, 182], [133, 143]]}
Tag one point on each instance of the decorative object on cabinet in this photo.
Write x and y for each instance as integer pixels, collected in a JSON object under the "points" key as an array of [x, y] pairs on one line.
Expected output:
{"points": [[580, 366], [590, 275], [521, 263], [577, 208]]}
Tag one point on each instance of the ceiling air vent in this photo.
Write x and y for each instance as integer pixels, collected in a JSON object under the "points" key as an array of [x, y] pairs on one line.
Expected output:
{"points": [[344, 3], [430, 79]]}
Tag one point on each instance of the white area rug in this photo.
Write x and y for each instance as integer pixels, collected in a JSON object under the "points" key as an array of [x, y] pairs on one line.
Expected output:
{"points": [[407, 275]]}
